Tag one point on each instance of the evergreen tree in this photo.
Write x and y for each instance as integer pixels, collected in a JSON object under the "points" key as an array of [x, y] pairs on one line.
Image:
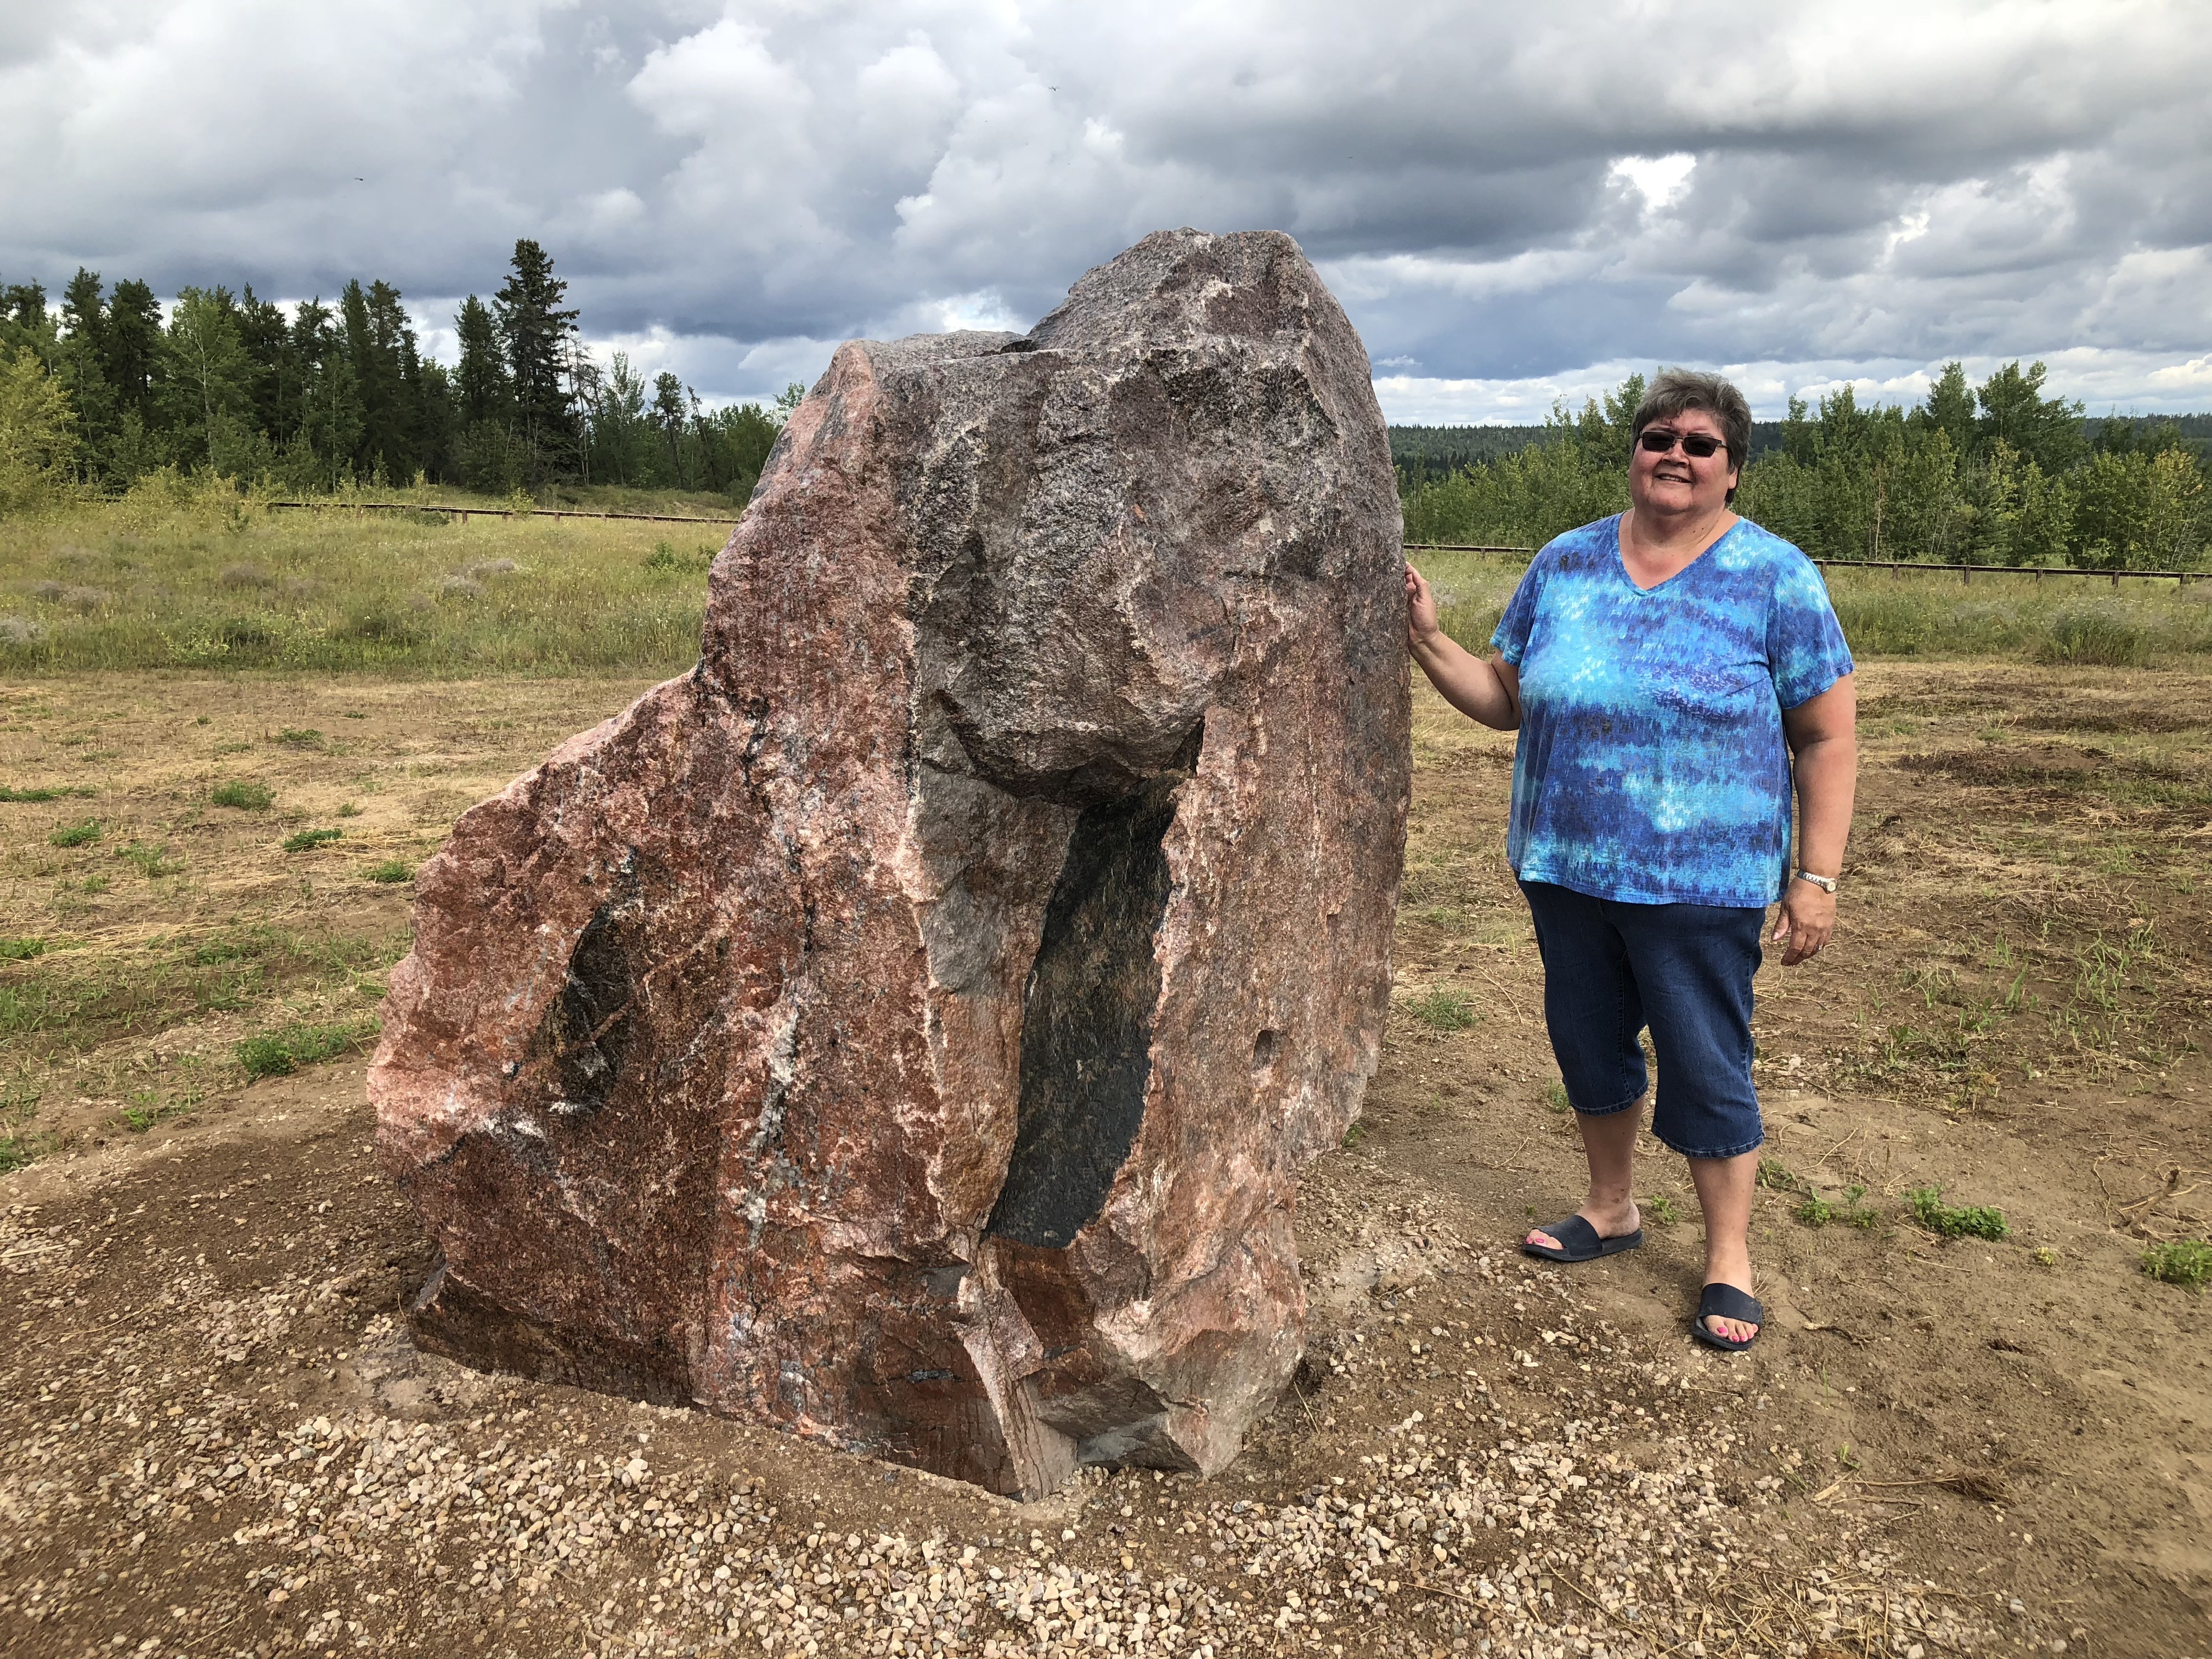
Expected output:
{"points": [[25, 323], [481, 391], [435, 428], [381, 350], [133, 348], [267, 339], [81, 366], [671, 412], [321, 454], [539, 336]]}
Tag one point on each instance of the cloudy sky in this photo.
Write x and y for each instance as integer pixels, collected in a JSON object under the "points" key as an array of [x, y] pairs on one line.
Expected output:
{"points": [[1514, 202]]}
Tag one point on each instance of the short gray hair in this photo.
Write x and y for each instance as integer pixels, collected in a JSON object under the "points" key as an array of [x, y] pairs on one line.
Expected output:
{"points": [[1679, 391]]}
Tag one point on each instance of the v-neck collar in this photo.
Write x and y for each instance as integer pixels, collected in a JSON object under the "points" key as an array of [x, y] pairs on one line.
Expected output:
{"points": [[1620, 560]]}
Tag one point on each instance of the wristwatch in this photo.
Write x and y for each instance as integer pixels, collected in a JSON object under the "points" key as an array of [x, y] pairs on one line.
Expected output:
{"points": [[1825, 884]]}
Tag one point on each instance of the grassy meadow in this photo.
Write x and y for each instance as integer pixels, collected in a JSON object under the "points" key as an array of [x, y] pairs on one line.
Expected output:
{"points": [[2062, 617], [212, 581], [224, 583]]}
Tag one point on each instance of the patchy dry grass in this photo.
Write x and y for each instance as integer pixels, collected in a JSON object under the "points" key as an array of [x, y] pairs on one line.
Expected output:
{"points": [[158, 965]]}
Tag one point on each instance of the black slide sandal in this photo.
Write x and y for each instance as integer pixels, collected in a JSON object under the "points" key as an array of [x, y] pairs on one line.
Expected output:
{"points": [[1726, 1302], [1578, 1242]]}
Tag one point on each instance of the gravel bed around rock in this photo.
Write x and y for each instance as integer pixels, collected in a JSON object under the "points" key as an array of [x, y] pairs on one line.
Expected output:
{"points": [[238, 1452]]}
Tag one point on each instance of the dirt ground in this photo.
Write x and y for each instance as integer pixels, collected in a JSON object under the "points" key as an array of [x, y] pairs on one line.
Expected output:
{"points": [[218, 1441]]}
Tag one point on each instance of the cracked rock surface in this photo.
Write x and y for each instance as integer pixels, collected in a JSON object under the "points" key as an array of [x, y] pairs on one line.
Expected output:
{"points": [[907, 1028]]}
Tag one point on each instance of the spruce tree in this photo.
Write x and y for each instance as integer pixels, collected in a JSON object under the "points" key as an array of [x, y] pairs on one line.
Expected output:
{"points": [[670, 409], [133, 348], [329, 403], [267, 338], [481, 388], [25, 323], [81, 367], [539, 336], [434, 425], [396, 419]]}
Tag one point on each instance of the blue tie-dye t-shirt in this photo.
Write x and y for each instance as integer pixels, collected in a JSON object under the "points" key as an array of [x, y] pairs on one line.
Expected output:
{"points": [[1651, 766]]}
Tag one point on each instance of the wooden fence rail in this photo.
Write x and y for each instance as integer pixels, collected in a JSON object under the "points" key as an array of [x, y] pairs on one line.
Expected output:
{"points": [[1966, 572], [501, 512]]}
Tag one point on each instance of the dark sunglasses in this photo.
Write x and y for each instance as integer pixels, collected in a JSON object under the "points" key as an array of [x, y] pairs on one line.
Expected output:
{"points": [[1696, 445]]}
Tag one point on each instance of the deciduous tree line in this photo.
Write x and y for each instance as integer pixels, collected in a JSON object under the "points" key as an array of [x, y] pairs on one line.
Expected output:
{"points": [[106, 387], [2003, 473]]}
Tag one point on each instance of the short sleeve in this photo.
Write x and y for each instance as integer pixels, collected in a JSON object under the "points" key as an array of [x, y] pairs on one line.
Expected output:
{"points": [[1806, 652], [1511, 634]]}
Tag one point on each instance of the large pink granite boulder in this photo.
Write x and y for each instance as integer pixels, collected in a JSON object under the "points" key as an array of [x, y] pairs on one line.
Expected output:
{"points": [[906, 1028]]}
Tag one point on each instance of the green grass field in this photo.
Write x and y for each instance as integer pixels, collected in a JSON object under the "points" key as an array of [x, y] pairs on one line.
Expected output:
{"points": [[212, 581], [2061, 618], [218, 583]]}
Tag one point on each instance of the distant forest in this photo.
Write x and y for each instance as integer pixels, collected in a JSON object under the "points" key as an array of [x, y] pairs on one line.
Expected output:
{"points": [[2001, 473], [1422, 452], [104, 388], [108, 386]]}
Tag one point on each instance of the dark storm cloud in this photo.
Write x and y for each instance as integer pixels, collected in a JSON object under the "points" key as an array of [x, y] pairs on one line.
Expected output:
{"points": [[1513, 201]]}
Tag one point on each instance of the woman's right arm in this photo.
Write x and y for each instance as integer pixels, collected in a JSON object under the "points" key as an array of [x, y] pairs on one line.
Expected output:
{"points": [[1485, 691]]}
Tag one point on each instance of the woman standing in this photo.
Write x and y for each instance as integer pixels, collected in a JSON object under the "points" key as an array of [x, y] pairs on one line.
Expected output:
{"points": [[1665, 668]]}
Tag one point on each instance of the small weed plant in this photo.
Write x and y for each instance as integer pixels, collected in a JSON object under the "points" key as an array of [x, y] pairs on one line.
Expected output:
{"points": [[665, 557], [2185, 1261], [392, 871], [1818, 1212], [284, 1050], [296, 737], [1777, 1177], [1955, 1221], [1555, 1097], [1443, 1010], [243, 794], [149, 861], [300, 840], [82, 833], [40, 793], [147, 1109], [1660, 1208], [17, 947]]}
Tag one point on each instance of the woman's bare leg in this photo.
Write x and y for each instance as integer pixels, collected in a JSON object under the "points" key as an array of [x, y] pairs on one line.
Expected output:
{"points": [[1725, 1192], [1609, 1144]]}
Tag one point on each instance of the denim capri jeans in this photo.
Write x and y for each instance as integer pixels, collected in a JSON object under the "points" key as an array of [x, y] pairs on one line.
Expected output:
{"points": [[1611, 969]]}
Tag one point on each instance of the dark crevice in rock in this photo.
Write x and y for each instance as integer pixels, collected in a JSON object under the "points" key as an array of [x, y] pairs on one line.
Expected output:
{"points": [[1087, 1019], [587, 1030]]}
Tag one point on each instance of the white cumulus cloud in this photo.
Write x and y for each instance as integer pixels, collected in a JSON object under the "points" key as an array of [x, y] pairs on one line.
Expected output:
{"points": [[1514, 202]]}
